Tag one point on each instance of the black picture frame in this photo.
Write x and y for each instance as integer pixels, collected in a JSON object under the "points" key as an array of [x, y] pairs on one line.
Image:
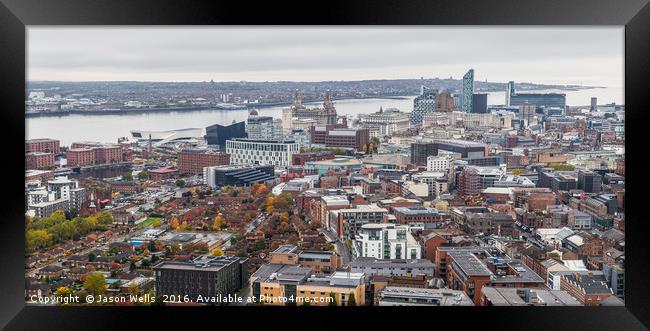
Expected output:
{"points": [[15, 15]]}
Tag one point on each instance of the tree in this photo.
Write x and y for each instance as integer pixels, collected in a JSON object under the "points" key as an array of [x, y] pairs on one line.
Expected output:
{"points": [[132, 265], [328, 247], [37, 239], [174, 223], [217, 252], [156, 223], [351, 300], [185, 226], [259, 189], [91, 257], [175, 248], [58, 216], [127, 176], [95, 284], [218, 222], [517, 172], [74, 212], [63, 291], [143, 175], [180, 183], [332, 300], [133, 289]]}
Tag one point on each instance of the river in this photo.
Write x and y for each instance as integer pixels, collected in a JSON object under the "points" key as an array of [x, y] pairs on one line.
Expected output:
{"points": [[107, 128]]}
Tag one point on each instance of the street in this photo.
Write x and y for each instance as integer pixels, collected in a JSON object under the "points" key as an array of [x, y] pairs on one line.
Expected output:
{"points": [[340, 246]]}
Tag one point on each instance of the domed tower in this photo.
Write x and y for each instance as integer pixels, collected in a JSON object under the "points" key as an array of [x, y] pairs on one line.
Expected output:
{"points": [[253, 113]]}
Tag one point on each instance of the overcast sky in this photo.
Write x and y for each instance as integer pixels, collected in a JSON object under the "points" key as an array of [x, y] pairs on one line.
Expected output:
{"points": [[586, 56]]}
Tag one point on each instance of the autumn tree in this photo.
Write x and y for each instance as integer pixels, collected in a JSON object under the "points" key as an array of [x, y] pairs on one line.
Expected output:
{"points": [[217, 252], [218, 222], [185, 226], [517, 172], [63, 291], [58, 216], [95, 284], [37, 239], [133, 289], [174, 223]]}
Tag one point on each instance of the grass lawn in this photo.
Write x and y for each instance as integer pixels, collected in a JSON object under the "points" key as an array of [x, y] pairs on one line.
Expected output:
{"points": [[149, 221]]}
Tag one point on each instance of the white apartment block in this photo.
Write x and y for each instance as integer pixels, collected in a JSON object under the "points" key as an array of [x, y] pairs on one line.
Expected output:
{"points": [[439, 163], [248, 151], [386, 241]]}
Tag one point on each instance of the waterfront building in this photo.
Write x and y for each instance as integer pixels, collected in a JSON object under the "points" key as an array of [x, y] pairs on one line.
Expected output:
{"points": [[39, 160], [42, 145], [217, 135], [423, 104], [479, 103], [539, 99], [323, 116], [468, 91], [385, 122], [510, 91], [159, 138]]}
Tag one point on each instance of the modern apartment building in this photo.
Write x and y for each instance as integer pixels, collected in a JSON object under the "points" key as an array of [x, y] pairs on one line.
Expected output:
{"points": [[251, 152]]}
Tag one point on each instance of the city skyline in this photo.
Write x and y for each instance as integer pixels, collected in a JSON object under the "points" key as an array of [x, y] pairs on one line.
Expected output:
{"points": [[583, 56]]}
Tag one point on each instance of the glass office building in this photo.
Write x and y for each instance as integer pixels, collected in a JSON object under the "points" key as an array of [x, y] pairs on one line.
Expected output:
{"points": [[423, 104], [468, 91]]}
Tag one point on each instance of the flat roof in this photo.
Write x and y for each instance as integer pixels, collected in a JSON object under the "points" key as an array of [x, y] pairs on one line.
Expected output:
{"points": [[470, 264], [417, 210]]}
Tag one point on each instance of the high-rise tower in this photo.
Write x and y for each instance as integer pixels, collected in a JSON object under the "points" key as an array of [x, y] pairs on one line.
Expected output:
{"points": [[468, 91]]}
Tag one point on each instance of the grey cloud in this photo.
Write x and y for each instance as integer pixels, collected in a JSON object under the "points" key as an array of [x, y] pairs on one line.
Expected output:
{"points": [[192, 53]]}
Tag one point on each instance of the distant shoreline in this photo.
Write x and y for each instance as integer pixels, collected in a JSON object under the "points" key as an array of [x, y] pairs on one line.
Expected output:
{"points": [[190, 108], [244, 106]]}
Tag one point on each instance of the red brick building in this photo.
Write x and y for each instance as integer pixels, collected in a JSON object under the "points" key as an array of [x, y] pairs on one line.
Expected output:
{"points": [[301, 158], [418, 214], [192, 161], [124, 187], [335, 135], [589, 289], [162, 173], [79, 157], [91, 153], [44, 145], [39, 160], [41, 175]]}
